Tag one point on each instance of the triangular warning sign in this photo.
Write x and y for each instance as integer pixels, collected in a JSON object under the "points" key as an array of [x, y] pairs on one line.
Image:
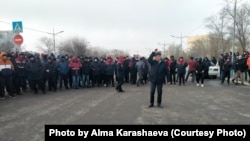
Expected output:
{"points": [[17, 28]]}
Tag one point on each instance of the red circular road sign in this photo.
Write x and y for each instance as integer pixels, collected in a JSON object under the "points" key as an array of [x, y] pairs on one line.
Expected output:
{"points": [[18, 39]]}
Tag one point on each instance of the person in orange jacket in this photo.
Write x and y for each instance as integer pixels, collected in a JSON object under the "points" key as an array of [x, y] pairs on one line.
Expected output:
{"points": [[6, 74], [248, 64]]}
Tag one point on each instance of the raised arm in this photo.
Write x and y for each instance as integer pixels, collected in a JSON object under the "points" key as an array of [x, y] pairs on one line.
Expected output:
{"points": [[150, 59]]}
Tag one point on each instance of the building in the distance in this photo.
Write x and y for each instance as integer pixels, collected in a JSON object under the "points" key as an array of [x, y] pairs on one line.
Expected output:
{"points": [[209, 45], [192, 39], [199, 45]]}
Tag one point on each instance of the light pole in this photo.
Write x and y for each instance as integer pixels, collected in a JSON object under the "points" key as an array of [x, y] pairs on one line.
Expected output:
{"points": [[179, 37], [235, 3], [149, 49], [54, 40], [164, 47]]}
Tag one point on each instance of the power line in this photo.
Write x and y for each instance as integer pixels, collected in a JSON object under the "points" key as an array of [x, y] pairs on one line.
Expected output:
{"points": [[203, 23], [198, 27], [28, 28]]}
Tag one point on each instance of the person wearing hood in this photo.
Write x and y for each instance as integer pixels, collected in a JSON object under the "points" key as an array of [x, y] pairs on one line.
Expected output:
{"points": [[214, 60], [200, 70], [63, 70], [140, 66], [96, 72], [20, 63], [181, 70], [86, 73], [35, 70], [109, 72], [157, 75], [207, 65], [172, 68], [120, 70], [226, 71], [75, 66], [6, 74], [51, 71]]}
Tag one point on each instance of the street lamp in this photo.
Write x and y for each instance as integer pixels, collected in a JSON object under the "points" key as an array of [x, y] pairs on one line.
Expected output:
{"points": [[54, 40], [179, 37], [164, 47]]}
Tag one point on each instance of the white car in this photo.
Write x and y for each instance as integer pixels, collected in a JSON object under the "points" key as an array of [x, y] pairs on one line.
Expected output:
{"points": [[214, 70]]}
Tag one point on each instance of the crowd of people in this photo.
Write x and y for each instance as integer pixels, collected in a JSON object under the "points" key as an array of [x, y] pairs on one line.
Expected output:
{"points": [[21, 71]]}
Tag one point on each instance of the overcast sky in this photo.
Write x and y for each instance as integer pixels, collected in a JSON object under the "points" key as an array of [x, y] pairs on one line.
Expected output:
{"points": [[131, 25]]}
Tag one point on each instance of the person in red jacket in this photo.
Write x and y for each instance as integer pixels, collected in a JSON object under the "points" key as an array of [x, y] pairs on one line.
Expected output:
{"points": [[75, 66], [181, 70], [191, 68], [248, 66]]}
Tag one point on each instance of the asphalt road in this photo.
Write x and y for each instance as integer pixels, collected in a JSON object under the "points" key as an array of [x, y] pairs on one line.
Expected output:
{"points": [[24, 117]]}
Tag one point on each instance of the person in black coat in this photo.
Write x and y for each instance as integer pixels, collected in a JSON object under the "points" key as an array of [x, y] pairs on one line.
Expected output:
{"points": [[157, 76], [240, 66], [126, 66], [226, 71], [50, 71], [172, 68], [221, 62], [96, 72], [120, 70], [86, 73], [200, 72], [35, 70], [207, 65]]}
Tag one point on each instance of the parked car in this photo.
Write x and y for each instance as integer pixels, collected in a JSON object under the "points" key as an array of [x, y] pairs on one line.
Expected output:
{"points": [[213, 71]]}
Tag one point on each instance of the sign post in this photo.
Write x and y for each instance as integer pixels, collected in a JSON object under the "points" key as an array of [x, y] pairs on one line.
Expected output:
{"points": [[17, 27], [18, 40]]}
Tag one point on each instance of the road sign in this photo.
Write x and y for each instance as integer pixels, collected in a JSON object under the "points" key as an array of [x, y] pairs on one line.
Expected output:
{"points": [[17, 27], [18, 40]]}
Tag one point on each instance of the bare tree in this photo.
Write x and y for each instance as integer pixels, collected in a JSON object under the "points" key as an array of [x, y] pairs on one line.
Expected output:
{"points": [[218, 45], [78, 46], [242, 24], [7, 47], [199, 48], [73, 46], [45, 45], [175, 50], [219, 36]]}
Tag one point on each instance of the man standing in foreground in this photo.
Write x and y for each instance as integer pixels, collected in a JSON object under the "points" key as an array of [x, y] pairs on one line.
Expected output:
{"points": [[157, 75]]}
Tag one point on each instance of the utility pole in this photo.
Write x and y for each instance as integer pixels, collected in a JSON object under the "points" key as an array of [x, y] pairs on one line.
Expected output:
{"points": [[164, 48], [181, 37], [181, 42], [54, 40], [233, 45]]}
